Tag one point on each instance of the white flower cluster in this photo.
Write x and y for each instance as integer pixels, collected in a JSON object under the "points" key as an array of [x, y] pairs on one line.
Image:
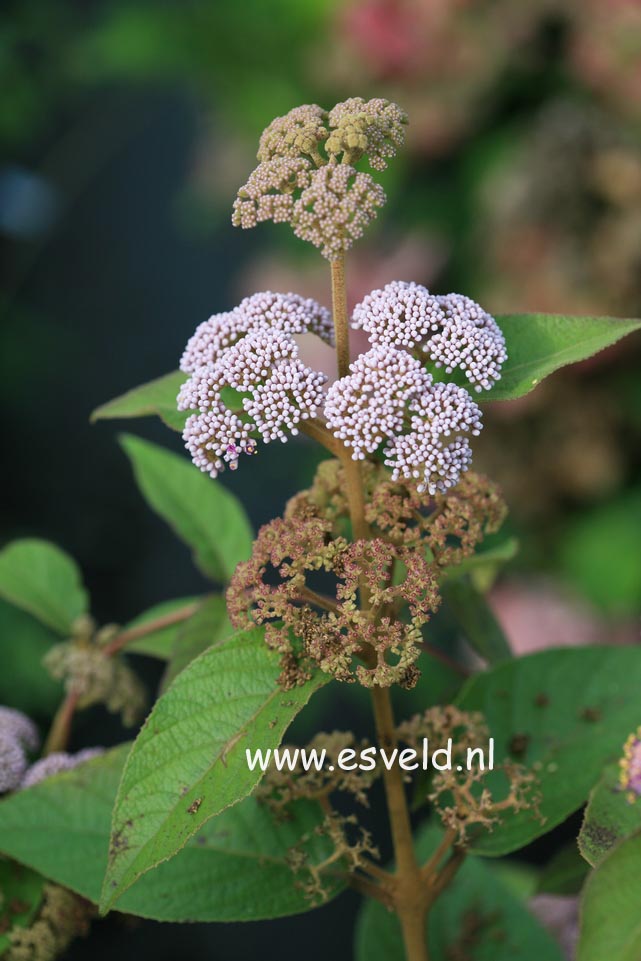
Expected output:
{"points": [[57, 762], [388, 397], [335, 208], [18, 736], [250, 350], [451, 330], [369, 405]]}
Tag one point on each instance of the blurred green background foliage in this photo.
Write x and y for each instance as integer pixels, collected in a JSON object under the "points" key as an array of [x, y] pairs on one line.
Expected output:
{"points": [[125, 130]]}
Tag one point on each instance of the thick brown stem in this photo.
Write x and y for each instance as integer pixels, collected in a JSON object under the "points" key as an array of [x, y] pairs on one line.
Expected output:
{"points": [[394, 788], [341, 322], [408, 899], [315, 429], [414, 935], [355, 495]]}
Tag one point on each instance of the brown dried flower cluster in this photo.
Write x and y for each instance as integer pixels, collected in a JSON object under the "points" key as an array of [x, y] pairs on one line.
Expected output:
{"points": [[351, 848], [277, 587], [279, 788], [461, 795], [451, 525]]}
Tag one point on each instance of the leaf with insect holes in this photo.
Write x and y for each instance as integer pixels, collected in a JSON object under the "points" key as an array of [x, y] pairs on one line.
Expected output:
{"points": [[562, 713], [235, 868], [539, 344], [188, 762]]}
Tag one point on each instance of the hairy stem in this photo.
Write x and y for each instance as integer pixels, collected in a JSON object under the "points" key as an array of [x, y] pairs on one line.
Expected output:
{"points": [[315, 429], [135, 633], [408, 899], [394, 789], [339, 309]]}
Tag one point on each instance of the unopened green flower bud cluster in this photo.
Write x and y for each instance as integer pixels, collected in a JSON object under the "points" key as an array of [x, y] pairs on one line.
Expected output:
{"points": [[306, 175]]}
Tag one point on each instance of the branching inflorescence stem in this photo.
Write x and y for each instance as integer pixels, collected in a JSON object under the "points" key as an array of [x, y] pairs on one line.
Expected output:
{"points": [[60, 730], [411, 890]]}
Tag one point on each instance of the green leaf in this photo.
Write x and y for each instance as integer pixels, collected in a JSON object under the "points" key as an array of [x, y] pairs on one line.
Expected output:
{"points": [[565, 873], [609, 817], [156, 397], [476, 619], [20, 897], [234, 869], [24, 683], [160, 643], [477, 917], [539, 344], [207, 626], [567, 712], [40, 578], [200, 510], [490, 560], [233, 399], [188, 762], [610, 916]]}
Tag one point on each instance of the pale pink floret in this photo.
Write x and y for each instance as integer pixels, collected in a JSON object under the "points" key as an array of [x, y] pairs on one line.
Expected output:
{"points": [[20, 728], [210, 338], [471, 340], [369, 404], [289, 313], [13, 763], [336, 207], [251, 361], [216, 438], [435, 449], [401, 314], [451, 330], [293, 392], [56, 763], [202, 390]]}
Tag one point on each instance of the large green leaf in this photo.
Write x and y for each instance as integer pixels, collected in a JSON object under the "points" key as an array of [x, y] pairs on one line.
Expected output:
{"points": [[41, 579], [538, 344], [564, 873], [20, 898], [156, 397], [234, 869], [609, 817], [188, 763], [200, 510], [477, 917], [611, 907], [24, 683], [160, 642], [207, 626], [476, 619], [566, 712]]}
